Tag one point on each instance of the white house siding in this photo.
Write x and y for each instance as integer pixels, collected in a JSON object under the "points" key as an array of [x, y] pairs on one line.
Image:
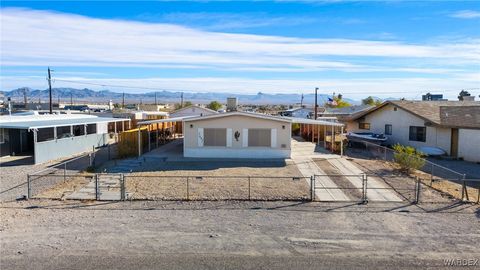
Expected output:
{"points": [[401, 121], [469, 144], [237, 149]]}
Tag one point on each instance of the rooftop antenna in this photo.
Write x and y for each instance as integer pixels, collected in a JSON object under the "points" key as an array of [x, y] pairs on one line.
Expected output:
{"points": [[181, 101]]}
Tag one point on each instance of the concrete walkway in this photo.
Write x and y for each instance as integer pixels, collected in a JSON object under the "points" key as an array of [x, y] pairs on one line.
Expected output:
{"points": [[376, 190], [302, 154], [109, 187]]}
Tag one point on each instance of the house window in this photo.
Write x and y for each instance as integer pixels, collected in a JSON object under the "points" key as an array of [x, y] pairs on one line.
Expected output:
{"points": [[364, 126], [418, 134], [215, 137], [388, 129], [63, 132], [45, 134], [259, 137], [79, 130], [91, 128]]}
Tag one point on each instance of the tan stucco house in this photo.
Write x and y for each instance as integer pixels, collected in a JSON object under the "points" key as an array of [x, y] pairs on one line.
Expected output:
{"points": [[237, 135], [453, 126]]}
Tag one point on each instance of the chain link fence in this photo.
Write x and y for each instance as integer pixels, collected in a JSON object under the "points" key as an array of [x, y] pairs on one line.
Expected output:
{"points": [[62, 178], [453, 184]]}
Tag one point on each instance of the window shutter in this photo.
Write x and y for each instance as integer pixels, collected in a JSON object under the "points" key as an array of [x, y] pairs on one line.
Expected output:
{"points": [[229, 137], [200, 137], [245, 137], [273, 138]]}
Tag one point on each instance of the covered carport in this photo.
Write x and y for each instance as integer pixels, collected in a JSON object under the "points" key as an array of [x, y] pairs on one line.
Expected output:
{"points": [[323, 130], [158, 132]]}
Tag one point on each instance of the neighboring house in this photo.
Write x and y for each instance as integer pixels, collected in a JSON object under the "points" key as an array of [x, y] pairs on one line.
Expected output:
{"points": [[52, 136], [453, 126], [345, 114], [237, 135], [299, 112], [192, 110]]}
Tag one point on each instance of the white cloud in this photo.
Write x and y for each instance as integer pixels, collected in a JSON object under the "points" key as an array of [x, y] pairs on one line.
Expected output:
{"points": [[73, 40], [466, 14]]}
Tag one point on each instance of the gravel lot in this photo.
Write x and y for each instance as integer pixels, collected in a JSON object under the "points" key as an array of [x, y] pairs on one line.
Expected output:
{"points": [[235, 235], [268, 181]]}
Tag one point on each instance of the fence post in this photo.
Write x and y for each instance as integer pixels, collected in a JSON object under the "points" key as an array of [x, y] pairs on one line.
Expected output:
{"points": [[478, 195], [122, 187], [417, 190], [188, 191], [312, 188], [464, 189], [29, 187], [249, 188], [65, 172], [431, 175], [108, 148], [384, 153], [97, 191], [364, 184]]}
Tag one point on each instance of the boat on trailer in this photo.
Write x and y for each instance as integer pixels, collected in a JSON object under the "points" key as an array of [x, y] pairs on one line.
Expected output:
{"points": [[366, 137]]}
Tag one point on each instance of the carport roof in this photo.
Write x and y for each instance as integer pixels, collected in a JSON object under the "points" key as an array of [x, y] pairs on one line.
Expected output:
{"points": [[315, 122], [47, 123]]}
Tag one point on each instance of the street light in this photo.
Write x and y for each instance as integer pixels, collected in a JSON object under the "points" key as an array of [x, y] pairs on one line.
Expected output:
{"points": [[316, 89]]}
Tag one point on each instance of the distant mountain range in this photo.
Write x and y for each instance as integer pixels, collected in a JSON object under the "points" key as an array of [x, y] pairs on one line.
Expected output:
{"points": [[88, 95]]}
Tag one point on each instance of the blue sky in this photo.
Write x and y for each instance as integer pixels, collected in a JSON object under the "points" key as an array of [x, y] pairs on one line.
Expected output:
{"points": [[385, 49]]}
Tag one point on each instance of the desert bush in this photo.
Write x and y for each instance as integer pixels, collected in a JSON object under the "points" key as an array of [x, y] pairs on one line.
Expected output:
{"points": [[408, 158], [296, 129]]}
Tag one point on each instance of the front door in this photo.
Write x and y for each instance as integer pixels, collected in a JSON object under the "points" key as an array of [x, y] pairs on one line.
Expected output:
{"points": [[454, 143]]}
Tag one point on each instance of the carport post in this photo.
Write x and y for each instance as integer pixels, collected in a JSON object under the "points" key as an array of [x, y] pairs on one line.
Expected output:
{"points": [[139, 143], [333, 138], [325, 137], [123, 126], [122, 187], [65, 172], [156, 138], [464, 189], [318, 135], [148, 132], [364, 185], [188, 195], [341, 142]]}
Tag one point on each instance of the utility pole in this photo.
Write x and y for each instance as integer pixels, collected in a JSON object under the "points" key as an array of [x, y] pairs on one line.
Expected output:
{"points": [[71, 98], [156, 98], [301, 101], [123, 100], [25, 97], [316, 105], [50, 90], [181, 101]]}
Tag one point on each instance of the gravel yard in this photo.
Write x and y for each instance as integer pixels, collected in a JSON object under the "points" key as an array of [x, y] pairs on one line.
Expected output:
{"points": [[268, 181], [440, 191]]}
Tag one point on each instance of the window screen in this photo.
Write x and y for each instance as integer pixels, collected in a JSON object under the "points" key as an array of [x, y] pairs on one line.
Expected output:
{"points": [[45, 134], [63, 132], [418, 134], [259, 137], [78, 130], [388, 129], [91, 128], [215, 137]]}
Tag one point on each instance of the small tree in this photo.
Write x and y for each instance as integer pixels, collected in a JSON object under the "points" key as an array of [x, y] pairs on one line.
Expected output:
{"points": [[185, 104], [214, 105], [338, 102], [408, 158], [371, 101], [462, 94]]}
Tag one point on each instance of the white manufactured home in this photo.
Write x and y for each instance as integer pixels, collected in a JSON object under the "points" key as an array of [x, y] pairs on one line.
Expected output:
{"points": [[237, 135], [53, 136], [453, 126], [192, 110]]}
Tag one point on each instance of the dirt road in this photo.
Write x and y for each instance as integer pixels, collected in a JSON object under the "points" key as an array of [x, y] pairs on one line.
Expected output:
{"points": [[234, 235]]}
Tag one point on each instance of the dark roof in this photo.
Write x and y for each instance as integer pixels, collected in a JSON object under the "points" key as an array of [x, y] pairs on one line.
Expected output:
{"points": [[430, 111], [347, 113], [460, 116]]}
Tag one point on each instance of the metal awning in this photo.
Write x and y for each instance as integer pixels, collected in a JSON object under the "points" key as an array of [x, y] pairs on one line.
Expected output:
{"points": [[48, 123], [165, 120], [315, 122]]}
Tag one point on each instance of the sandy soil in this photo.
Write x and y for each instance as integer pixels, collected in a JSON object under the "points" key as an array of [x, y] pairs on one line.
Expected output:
{"points": [[266, 183], [60, 190]]}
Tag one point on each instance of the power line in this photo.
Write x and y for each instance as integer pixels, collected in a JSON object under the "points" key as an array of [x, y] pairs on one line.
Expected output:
{"points": [[156, 89]]}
